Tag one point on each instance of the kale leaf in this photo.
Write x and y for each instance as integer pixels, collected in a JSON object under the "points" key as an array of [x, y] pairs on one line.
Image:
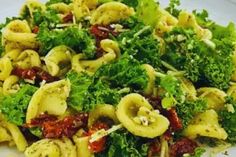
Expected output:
{"points": [[77, 39], [122, 143], [228, 118], [187, 110], [14, 106]]}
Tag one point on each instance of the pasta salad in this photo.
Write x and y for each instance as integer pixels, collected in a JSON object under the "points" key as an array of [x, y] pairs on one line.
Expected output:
{"points": [[116, 78]]}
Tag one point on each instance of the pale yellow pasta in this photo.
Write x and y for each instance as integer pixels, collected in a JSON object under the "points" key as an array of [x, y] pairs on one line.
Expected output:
{"points": [[61, 8], [82, 144], [165, 23], [233, 77], [151, 79], [17, 34], [10, 85], [50, 98], [4, 135], [28, 59], [90, 66], [102, 111], [111, 12], [205, 124], [60, 55], [80, 9], [215, 97], [188, 20], [232, 91], [51, 148], [31, 6], [13, 54], [188, 89], [9, 129], [5, 68], [136, 114]]}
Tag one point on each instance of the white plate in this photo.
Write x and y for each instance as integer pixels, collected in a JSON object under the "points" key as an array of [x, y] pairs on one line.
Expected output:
{"points": [[222, 11]]}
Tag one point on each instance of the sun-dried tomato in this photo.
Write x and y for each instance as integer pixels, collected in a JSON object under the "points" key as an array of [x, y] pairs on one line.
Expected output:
{"points": [[98, 145], [54, 128], [167, 135], [35, 74], [183, 146], [154, 148], [175, 121], [68, 17], [35, 29], [65, 127]]}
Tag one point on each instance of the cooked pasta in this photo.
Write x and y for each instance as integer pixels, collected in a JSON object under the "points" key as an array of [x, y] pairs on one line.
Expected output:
{"points": [[105, 78]]}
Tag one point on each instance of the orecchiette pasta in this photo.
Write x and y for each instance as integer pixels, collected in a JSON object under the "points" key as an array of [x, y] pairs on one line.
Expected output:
{"points": [[52, 148], [232, 91], [205, 124], [5, 68], [61, 8], [215, 97], [10, 132], [58, 60], [17, 34], [233, 77], [137, 116], [80, 9], [10, 85], [31, 6], [111, 12], [188, 88], [90, 66], [188, 20], [13, 54], [102, 111], [151, 79], [82, 144], [166, 22], [50, 98], [28, 59]]}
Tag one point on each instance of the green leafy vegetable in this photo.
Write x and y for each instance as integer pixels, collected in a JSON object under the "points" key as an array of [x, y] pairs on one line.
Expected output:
{"points": [[78, 39], [124, 144], [48, 17], [140, 42], [85, 94], [148, 11], [14, 106], [202, 18], [203, 63], [172, 8], [187, 110], [198, 152], [228, 118], [125, 72]]}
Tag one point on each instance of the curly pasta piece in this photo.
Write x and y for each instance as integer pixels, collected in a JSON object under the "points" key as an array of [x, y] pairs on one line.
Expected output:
{"points": [[28, 59], [138, 117], [151, 81], [166, 22], [188, 89], [10, 132], [17, 34], [31, 6], [50, 98], [111, 12], [61, 8], [90, 66], [13, 54], [82, 144], [188, 20], [102, 111], [10, 85], [205, 124], [80, 9], [215, 98], [57, 57], [51, 148], [5, 68]]}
